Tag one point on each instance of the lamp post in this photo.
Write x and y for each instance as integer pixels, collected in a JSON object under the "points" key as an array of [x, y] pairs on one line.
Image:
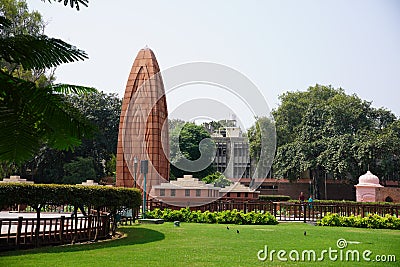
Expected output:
{"points": [[144, 169], [135, 162], [326, 192]]}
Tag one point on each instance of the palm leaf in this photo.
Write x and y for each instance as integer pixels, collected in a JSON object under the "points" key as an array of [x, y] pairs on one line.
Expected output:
{"points": [[73, 2], [75, 89], [30, 116], [38, 52], [19, 138]]}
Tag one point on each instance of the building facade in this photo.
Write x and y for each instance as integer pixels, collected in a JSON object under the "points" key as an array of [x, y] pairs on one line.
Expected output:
{"points": [[186, 192], [232, 153]]}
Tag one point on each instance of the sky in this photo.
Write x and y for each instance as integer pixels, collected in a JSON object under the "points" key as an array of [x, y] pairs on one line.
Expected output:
{"points": [[279, 46]]}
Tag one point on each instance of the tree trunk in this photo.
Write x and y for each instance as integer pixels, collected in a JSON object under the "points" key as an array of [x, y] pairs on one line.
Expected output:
{"points": [[317, 183]]}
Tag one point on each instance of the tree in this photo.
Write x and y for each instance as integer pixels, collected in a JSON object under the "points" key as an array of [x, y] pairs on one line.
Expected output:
{"points": [[102, 110], [184, 145], [262, 145], [325, 131], [79, 170], [31, 115], [218, 179], [22, 20]]}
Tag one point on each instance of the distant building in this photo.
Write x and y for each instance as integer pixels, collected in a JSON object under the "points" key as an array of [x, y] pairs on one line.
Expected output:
{"points": [[185, 192], [16, 179], [189, 191], [232, 156], [238, 191]]}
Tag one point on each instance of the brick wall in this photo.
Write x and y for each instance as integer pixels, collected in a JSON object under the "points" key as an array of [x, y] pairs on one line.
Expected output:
{"points": [[383, 193]]}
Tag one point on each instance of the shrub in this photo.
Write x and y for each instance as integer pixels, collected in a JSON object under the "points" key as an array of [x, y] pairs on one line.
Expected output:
{"points": [[37, 195], [371, 221], [222, 217]]}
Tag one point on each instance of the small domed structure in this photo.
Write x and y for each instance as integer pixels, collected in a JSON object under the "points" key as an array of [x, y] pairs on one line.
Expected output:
{"points": [[369, 179], [365, 189]]}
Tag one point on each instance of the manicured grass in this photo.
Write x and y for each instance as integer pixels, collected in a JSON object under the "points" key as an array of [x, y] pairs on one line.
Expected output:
{"points": [[211, 245]]}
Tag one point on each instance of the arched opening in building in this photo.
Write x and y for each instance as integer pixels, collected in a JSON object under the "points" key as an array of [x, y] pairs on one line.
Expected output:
{"points": [[388, 199]]}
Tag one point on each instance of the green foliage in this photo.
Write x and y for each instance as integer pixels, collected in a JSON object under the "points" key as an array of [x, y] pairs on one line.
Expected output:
{"points": [[21, 20], [371, 221], [100, 109], [325, 131], [218, 179], [262, 145], [41, 194], [184, 144], [274, 197], [222, 217], [72, 3], [31, 115], [79, 170]]}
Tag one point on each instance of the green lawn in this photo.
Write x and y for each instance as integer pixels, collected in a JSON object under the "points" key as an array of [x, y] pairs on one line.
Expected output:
{"points": [[211, 245]]}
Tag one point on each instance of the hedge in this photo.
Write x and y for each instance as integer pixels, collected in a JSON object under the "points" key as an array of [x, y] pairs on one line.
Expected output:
{"points": [[37, 195], [223, 217], [371, 221], [274, 197]]}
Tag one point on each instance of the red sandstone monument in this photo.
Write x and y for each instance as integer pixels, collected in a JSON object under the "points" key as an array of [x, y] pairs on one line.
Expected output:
{"points": [[143, 128]]}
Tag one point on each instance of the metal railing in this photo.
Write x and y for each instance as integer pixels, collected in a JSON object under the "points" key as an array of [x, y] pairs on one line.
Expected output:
{"points": [[292, 211]]}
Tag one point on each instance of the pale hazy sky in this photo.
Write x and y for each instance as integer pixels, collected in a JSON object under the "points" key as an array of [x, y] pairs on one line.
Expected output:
{"points": [[279, 45]]}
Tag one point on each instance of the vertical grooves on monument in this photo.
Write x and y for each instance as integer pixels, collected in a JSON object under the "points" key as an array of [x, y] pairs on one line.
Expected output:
{"points": [[142, 99]]}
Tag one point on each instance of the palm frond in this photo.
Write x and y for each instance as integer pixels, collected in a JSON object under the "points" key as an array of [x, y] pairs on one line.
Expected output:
{"points": [[70, 88], [73, 2], [18, 137], [30, 116], [38, 52]]}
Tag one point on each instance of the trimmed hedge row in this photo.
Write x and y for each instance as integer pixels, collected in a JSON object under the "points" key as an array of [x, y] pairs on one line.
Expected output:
{"points": [[371, 221], [53, 194], [223, 217], [274, 197]]}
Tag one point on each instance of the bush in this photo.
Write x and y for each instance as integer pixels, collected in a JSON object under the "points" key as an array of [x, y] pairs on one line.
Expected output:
{"points": [[371, 221], [223, 217], [274, 198], [37, 195]]}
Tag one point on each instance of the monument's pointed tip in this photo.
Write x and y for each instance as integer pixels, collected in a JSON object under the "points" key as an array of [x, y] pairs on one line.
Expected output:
{"points": [[146, 48]]}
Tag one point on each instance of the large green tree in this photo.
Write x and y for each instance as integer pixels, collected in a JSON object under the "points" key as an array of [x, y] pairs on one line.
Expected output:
{"points": [[262, 145], [32, 114], [325, 131], [186, 138], [102, 110]]}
